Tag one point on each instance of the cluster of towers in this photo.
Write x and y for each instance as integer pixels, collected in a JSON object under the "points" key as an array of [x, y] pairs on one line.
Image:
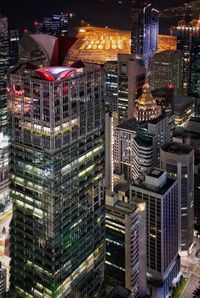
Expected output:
{"points": [[102, 195]]}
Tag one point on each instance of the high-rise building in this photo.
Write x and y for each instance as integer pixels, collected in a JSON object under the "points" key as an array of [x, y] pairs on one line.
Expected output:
{"points": [[57, 171], [125, 245], [13, 46], [144, 31], [167, 70], [131, 78], [160, 130], [55, 25], [188, 35], [146, 108], [132, 154], [161, 196], [4, 141], [178, 160], [111, 86], [4, 64]]}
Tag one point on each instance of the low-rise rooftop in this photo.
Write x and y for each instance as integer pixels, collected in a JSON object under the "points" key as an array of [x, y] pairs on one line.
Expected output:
{"points": [[177, 148]]}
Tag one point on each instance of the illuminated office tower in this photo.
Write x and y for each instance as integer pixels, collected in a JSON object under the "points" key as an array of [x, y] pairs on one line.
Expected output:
{"points": [[161, 196], [166, 70], [56, 25], [188, 36], [131, 78], [57, 171], [125, 245], [144, 31], [178, 160]]}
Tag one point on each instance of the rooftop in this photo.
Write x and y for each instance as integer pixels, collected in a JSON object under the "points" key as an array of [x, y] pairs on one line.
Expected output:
{"points": [[158, 190], [156, 173], [54, 73], [130, 124], [182, 102], [177, 148]]}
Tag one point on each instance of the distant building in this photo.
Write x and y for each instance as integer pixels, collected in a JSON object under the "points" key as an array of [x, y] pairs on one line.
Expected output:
{"points": [[166, 42], [57, 25], [125, 245], [188, 36], [161, 196], [167, 69], [178, 160], [184, 109], [144, 31], [98, 45]]}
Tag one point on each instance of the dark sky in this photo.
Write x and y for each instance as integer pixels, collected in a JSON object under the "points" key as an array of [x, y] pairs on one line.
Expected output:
{"points": [[22, 13]]}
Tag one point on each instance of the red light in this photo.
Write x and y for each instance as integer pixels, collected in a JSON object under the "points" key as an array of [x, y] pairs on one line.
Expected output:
{"points": [[171, 86], [36, 23], [26, 30]]}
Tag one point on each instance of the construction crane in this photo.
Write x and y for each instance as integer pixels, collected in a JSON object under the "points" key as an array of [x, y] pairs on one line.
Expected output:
{"points": [[190, 9]]}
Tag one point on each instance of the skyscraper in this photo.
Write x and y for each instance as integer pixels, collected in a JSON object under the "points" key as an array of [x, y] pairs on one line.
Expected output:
{"points": [[178, 160], [144, 31], [126, 245], [4, 141], [161, 196], [188, 35], [57, 169], [166, 70], [131, 78], [133, 153], [4, 64]]}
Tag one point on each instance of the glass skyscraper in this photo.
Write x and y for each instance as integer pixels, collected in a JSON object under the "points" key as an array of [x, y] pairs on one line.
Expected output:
{"points": [[57, 168], [144, 31]]}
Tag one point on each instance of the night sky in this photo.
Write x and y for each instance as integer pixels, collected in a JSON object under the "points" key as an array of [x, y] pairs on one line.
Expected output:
{"points": [[22, 13]]}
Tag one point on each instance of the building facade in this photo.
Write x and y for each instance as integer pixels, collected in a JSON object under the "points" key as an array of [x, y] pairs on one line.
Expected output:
{"points": [[167, 69], [144, 31], [57, 169], [178, 160], [188, 35], [131, 78], [124, 245], [161, 196]]}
